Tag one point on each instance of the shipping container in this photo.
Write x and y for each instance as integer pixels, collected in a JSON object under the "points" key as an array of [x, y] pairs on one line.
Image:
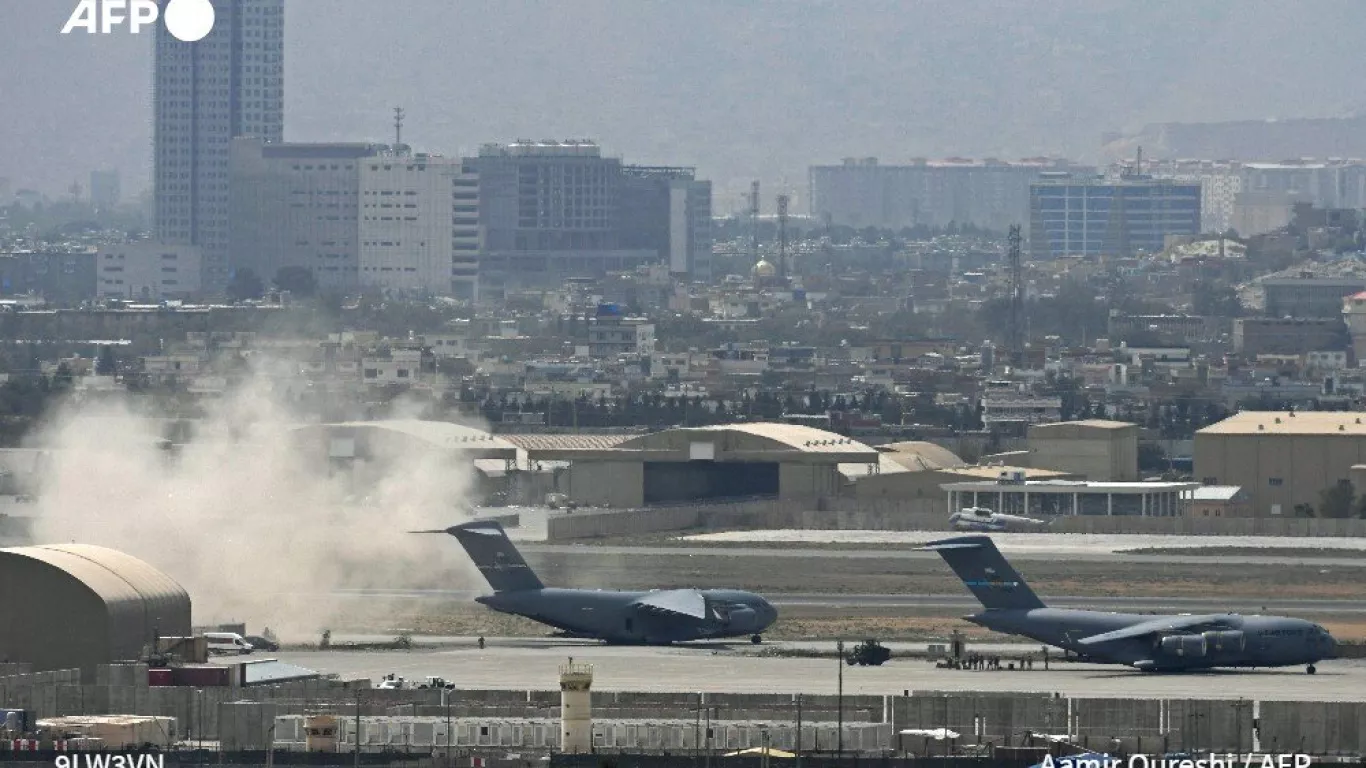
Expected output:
{"points": [[202, 676]]}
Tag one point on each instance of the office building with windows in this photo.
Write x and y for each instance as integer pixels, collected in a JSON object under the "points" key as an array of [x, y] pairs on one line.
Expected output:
{"points": [[991, 193], [1096, 216], [356, 216], [206, 93], [551, 210]]}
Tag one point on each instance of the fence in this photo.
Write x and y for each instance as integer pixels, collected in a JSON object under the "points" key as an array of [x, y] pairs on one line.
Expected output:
{"points": [[843, 513]]}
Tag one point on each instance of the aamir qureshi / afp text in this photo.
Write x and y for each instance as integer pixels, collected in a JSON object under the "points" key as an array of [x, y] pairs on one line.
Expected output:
{"points": [[1271, 760]]}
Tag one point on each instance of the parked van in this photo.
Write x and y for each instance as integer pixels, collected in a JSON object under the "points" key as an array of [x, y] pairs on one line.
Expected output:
{"points": [[227, 642]]}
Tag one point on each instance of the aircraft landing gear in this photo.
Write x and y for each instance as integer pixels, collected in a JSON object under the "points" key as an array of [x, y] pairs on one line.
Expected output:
{"points": [[1310, 669], [756, 639]]}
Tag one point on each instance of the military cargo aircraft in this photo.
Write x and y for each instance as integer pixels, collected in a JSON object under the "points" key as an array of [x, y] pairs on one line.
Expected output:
{"points": [[657, 617], [1150, 643]]}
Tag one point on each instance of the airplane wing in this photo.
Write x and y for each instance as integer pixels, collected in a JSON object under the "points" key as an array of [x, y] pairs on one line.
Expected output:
{"points": [[677, 602], [1160, 624]]}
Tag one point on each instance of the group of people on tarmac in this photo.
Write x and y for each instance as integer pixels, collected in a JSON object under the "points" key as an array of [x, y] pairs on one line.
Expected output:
{"points": [[978, 661]]}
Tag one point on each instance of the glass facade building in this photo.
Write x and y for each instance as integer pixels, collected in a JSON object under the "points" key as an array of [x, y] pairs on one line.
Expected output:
{"points": [[1071, 216]]}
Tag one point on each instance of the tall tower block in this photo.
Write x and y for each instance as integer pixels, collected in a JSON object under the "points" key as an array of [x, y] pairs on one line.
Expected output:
{"points": [[576, 708]]}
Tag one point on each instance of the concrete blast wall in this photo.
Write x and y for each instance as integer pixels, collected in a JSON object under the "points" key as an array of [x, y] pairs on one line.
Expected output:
{"points": [[242, 718]]}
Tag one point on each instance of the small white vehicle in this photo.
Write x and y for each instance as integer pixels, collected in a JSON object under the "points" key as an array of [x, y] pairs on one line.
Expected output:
{"points": [[392, 683], [227, 642]]}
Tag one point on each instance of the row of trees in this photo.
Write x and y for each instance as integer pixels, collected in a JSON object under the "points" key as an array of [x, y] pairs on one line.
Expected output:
{"points": [[655, 410], [1336, 503]]}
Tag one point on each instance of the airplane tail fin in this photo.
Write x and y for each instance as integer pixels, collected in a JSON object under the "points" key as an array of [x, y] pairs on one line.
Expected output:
{"points": [[495, 556], [986, 572]]}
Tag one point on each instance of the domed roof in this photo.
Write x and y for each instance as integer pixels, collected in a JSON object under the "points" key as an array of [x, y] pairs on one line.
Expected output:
{"points": [[764, 269]]}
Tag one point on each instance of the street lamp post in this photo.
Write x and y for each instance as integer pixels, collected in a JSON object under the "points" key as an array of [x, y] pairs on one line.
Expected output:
{"points": [[839, 728]]}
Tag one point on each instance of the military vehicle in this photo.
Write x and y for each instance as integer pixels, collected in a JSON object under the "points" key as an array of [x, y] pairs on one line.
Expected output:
{"points": [[868, 653]]}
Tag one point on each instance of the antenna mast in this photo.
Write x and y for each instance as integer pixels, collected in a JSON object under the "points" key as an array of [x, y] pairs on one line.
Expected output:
{"points": [[1015, 333], [754, 217], [783, 200], [398, 126]]}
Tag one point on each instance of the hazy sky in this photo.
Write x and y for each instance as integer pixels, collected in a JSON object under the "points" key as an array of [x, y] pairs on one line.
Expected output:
{"points": [[740, 88]]}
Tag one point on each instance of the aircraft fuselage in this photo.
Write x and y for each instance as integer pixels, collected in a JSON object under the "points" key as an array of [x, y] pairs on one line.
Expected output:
{"points": [[615, 616], [1231, 640]]}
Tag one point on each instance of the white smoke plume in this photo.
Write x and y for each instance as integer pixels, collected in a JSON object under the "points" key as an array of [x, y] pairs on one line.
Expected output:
{"points": [[247, 517]]}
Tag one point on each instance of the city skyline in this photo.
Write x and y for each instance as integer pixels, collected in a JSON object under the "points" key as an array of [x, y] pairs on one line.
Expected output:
{"points": [[697, 95]]}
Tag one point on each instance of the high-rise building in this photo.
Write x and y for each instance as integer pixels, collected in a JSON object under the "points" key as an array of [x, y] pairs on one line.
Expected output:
{"points": [[668, 210], [206, 93], [356, 215], [104, 190], [990, 193], [1095, 216], [556, 209]]}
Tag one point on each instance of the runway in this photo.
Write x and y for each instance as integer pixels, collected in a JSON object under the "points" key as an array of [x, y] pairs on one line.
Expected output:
{"points": [[533, 664], [1042, 552], [966, 604]]}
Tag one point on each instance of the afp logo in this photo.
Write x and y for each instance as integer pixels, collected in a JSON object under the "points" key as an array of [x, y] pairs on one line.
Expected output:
{"points": [[187, 20]]}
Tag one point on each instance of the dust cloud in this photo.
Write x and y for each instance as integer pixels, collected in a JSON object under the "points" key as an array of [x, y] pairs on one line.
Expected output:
{"points": [[246, 516]]}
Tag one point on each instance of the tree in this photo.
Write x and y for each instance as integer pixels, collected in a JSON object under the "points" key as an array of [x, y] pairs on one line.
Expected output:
{"points": [[61, 378], [297, 280], [245, 285], [105, 364], [1336, 502]]}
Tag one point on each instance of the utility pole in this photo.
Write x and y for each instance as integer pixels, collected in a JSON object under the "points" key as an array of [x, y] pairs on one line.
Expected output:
{"points": [[1015, 333], [697, 731], [707, 761], [799, 730], [839, 729], [446, 699]]}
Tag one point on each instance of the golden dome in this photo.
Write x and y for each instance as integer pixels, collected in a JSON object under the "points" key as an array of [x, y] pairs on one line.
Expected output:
{"points": [[763, 269]]}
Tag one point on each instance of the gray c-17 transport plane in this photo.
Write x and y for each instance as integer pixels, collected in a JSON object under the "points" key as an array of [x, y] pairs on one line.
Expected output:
{"points": [[1151, 643], [657, 617]]}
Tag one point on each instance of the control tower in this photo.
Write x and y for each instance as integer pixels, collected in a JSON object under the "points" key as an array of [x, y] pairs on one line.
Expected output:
{"points": [[576, 707]]}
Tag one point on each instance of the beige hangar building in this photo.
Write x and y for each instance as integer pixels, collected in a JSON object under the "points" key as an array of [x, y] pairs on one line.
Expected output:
{"points": [[1281, 458]]}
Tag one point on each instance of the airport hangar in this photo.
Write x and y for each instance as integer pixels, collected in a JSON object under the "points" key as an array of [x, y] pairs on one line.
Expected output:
{"points": [[729, 461], [76, 606], [1282, 458], [370, 449]]}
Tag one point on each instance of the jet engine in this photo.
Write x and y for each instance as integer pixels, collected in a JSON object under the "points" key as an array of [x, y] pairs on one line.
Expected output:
{"points": [[1183, 645], [1225, 641]]}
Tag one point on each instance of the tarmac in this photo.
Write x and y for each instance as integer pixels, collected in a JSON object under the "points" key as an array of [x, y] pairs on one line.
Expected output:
{"points": [[967, 604], [1100, 553], [533, 664]]}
